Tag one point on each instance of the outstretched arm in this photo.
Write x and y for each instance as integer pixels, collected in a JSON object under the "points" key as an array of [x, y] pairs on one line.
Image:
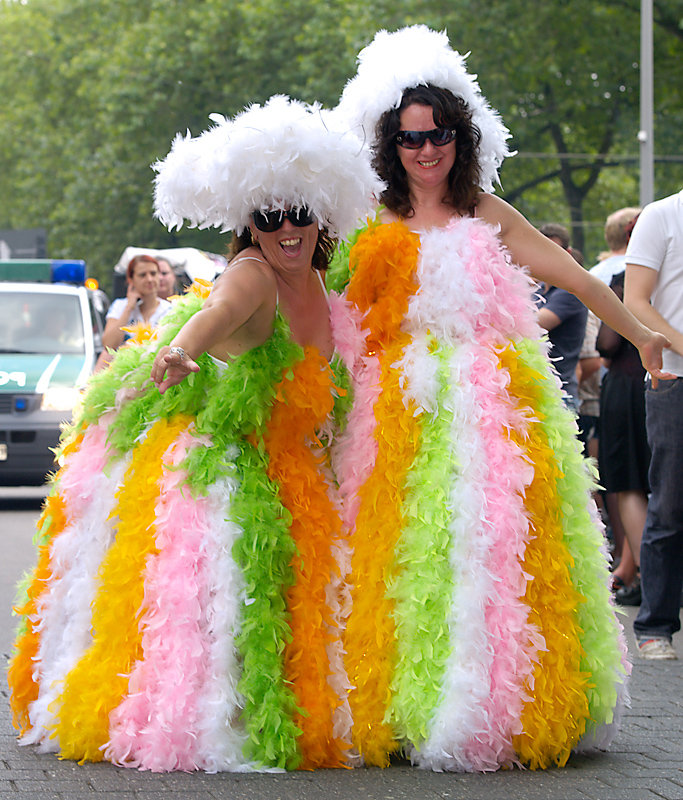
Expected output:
{"points": [[551, 264], [236, 296]]}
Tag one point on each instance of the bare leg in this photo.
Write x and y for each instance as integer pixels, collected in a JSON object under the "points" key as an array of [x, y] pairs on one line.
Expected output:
{"points": [[627, 566], [633, 510], [615, 522]]}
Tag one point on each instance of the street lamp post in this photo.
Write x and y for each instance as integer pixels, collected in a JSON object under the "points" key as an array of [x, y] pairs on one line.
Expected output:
{"points": [[646, 132]]}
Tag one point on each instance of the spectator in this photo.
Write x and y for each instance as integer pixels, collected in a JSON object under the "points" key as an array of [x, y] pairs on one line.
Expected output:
{"points": [[141, 304], [167, 279], [618, 227], [588, 376], [556, 233], [617, 236], [577, 255], [563, 316], [624, 454], [654, 293]]}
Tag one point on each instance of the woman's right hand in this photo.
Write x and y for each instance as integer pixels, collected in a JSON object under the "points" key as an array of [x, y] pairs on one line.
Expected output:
{"points": [[132, 297], [171, 366]]}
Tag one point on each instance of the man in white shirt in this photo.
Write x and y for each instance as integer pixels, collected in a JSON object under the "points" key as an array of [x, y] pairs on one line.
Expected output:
{"points": [[654, 293]]}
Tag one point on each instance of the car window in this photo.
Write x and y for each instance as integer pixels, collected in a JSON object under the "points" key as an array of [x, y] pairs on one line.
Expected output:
{"points": [[36, 322]]}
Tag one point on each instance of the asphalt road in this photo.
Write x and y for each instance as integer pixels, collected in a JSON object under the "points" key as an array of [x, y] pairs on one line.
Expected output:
{"points": [[645, 762]]}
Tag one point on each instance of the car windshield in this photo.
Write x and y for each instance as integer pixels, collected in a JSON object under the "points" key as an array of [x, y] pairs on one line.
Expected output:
{"points": [[36, 322]]}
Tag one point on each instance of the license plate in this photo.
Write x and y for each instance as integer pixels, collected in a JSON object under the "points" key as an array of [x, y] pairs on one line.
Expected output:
{"points": [[3, 452]]}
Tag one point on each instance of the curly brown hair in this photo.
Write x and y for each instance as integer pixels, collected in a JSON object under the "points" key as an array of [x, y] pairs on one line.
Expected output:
{"points": [[322, 254], [449, 111]]}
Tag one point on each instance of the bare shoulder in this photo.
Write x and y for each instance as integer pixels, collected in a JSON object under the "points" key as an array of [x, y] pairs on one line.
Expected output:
{"points": [[249, 260], [496, 211], [385, 216], [248, 269]]}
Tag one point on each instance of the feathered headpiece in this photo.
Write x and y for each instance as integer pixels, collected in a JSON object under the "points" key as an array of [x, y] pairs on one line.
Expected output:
{"points": [[283, 154], [417, 56]]}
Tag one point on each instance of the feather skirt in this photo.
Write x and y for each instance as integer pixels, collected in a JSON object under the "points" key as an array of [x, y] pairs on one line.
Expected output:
{"points": [[186, 609], [482, 633], [297, 565]]}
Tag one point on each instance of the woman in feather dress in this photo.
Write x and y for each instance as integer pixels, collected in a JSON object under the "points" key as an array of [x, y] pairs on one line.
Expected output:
{"points": [[482, 633]]}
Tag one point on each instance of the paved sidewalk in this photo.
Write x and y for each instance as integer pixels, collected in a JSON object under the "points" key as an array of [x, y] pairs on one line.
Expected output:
{"points": [[646, 761]]}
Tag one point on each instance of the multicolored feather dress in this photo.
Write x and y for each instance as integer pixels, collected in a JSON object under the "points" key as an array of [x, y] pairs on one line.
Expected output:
{"points": [[185, 611], [288, 564], [482, 632]]}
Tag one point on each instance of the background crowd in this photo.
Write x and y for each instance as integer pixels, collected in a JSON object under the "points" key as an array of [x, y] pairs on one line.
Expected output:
{"points": [[622, 415]]}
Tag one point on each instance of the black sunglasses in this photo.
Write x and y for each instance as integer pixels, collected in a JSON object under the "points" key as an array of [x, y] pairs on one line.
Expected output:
{"points": [[414, 140], [270, 221]]}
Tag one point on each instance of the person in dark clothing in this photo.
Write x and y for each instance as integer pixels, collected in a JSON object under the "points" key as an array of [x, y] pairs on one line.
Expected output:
{"points": [[624, 454], [564, 317]]}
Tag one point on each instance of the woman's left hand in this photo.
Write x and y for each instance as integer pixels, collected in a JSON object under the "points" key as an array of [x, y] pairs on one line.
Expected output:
{"points": [[171, 366], [651, 356]]}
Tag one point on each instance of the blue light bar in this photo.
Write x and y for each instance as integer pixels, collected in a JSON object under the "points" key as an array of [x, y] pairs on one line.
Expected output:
{"points": [[68, 271], [43, 270]]}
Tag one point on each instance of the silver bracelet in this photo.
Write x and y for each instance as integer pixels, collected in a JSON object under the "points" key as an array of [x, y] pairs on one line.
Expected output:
{"points": [[173, 351]]}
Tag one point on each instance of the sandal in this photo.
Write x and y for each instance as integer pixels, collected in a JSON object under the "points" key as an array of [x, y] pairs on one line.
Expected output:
{"points": [[616, 583], [629, 596]]}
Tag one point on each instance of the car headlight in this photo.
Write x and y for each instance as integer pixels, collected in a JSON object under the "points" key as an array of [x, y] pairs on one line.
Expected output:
{"points": [[60, 398]]}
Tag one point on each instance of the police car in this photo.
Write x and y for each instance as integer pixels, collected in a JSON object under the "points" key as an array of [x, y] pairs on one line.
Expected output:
{"points": [[51, 323]]}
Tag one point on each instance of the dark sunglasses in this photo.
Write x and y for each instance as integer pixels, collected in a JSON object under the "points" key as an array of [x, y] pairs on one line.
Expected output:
{"points": [[414, 140], [270, 221]]}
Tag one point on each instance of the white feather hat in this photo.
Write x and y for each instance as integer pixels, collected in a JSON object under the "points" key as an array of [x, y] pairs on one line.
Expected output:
{"points": [[283, 154], [415, 56]]}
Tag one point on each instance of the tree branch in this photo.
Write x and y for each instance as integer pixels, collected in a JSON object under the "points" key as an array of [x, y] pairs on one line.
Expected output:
{"points": [[518, 191], [663, 16]]}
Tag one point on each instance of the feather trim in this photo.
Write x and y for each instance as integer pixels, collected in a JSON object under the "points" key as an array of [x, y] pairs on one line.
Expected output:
{"points": [[21, 673], [303, 401], [516, 682], [284, 154], [173, 690], [65, 609], [95, 686]]}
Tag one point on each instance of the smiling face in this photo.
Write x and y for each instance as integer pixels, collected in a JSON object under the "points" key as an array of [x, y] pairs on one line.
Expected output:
{"points": [[289, 247], [428, 166]]}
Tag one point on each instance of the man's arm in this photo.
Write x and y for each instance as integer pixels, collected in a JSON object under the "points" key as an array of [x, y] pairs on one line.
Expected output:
{"points": [[640, 283], [587, 367], [548, 319]]}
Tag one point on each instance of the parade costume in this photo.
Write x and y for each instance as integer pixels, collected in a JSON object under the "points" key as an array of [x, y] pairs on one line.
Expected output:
{"points": [[444, 595], [187, 605], [177, 629], [482, 633]]}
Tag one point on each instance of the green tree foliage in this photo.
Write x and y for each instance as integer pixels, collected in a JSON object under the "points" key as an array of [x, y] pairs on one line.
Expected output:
{"points": [[565, 77], [94, 91]]}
